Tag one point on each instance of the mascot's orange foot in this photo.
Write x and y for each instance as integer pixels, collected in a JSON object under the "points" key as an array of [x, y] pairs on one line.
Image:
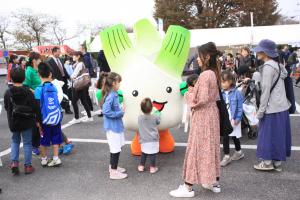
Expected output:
{"points": [[166, 143]]}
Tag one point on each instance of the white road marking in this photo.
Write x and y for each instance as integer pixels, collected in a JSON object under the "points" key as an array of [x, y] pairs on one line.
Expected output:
{"points": [[294, 148], [297, 107], [7, 151]]}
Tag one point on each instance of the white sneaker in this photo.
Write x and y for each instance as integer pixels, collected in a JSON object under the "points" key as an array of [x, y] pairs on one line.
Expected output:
{"points": [[55, 163], [44, 162], [264, 166], [225, 161], [182, 192], [75, 121], [120, 169], [213, 188], [237, 155], [86, 119], [84, 113], [116, 175]]}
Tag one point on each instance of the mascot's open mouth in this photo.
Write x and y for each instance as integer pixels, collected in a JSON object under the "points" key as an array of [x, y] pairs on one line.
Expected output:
{"points": [[159, 106]]}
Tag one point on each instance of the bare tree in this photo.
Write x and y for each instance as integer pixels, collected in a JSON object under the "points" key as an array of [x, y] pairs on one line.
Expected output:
{"points": [[24, 40], [4, 25], [34, 24], [60, 34]]}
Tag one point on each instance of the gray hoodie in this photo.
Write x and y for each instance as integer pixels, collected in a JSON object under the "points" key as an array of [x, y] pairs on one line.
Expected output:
{"points": [[276, 101]]}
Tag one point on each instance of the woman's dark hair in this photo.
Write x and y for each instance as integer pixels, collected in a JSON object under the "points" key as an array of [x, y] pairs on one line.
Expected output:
{"points": [[55, 49], [191, 80], [12, 58], [102, 77], [230, 55], [22, 59], [32, 56], [78, 53], [228, 76], [17, 75], [146, 106], [210, 49], [44, 70], [107, 84]]}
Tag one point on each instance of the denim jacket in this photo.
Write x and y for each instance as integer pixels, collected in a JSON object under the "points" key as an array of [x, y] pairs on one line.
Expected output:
{"points": [[112, 113], [235, 103]]}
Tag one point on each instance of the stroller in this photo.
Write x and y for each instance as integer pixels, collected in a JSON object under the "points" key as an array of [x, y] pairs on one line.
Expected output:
{"points": [[250, 105]]}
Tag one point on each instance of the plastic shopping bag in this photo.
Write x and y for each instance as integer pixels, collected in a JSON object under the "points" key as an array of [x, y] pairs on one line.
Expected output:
{"points": [[250, 112]]}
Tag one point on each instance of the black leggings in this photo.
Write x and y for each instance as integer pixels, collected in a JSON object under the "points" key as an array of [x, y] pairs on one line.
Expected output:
{"points": [[82, 95], [114, 160], [36, 137], [236, 142], [89, 100], [152, 159]]}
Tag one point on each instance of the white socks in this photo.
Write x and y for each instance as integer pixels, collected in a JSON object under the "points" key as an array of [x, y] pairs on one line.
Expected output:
{"points": [[55, 158]]}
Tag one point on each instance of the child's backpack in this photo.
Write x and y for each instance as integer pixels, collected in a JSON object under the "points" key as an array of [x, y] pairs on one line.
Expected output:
{"points": [[50, 107]]}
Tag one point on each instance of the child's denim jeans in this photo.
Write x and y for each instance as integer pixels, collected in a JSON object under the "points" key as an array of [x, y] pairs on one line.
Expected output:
{"points": [[15, 146]]}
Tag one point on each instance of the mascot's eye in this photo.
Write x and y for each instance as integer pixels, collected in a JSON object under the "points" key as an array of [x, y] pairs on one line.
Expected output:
{"points": [[169, 89], [135, 93]]}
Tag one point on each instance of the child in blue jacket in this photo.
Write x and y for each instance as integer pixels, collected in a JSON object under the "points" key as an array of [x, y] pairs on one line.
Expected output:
{"points": [[234, 100], [113, 123]]}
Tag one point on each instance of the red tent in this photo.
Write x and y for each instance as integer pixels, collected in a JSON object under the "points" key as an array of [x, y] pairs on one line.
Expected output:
{"points": [[46, 50]]}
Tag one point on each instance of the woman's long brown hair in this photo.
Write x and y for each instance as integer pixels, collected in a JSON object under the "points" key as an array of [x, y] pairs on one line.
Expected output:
{"points": [[213, 63]]}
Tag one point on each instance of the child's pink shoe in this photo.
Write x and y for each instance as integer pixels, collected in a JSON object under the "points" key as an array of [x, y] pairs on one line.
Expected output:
{"points": [[116, 175], [153, 170], [141, 168]]}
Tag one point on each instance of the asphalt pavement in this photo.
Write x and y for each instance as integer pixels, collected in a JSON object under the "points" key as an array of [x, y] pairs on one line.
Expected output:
{"points": [[84, 173]]}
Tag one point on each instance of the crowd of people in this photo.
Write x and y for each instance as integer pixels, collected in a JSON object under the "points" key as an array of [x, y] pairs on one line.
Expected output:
{"points": [[34, 111]]}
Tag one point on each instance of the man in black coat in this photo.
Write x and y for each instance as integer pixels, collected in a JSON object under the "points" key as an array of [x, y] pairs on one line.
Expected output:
{"points": [[60, 73]]}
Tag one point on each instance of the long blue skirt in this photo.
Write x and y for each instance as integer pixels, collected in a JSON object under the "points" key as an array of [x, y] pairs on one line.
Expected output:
{"points": [[274, 137]]}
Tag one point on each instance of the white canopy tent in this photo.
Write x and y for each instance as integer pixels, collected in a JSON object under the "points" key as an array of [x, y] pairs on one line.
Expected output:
{"points": [[281, 34]]}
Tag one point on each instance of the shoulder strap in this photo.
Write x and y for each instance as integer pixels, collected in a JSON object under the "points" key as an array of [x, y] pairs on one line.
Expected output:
{"points": [[274, 85]]}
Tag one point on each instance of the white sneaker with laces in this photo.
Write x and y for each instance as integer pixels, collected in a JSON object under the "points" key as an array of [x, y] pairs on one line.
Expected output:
{"points": [[225, 161], [214, 188], [55, 163], [182, 192], [264, 166], [116, 175], [120, 169], [75, 121], [86, 119], [238, 155], [44, 162]]}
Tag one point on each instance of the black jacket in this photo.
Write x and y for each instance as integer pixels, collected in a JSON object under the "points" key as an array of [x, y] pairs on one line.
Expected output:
{"points": [[104, 67], [55, 70], [21, 96]]}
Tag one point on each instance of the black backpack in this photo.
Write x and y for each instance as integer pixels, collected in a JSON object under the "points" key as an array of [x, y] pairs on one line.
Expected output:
{"points": [[21, 111], [289, 90]]}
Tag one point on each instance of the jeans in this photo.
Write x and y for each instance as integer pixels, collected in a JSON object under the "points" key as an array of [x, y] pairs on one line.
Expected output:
{"points": [[15, 146]]}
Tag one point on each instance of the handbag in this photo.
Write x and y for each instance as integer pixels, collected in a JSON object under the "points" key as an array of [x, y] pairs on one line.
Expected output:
{"points": [[225, 124], [83, 80]]}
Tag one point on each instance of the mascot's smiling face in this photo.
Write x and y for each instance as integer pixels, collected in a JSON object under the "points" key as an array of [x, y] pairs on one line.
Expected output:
{"points": [[151, 68], [160, 87]]}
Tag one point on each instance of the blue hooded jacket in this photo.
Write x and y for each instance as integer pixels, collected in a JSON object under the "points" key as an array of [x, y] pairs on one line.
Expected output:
{"points": [[235, 103]]}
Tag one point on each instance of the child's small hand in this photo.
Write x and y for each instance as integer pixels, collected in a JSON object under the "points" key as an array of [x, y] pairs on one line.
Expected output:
{"points": [[123, 108]]}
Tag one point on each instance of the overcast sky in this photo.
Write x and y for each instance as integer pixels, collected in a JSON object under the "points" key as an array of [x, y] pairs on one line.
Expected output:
{"points": [[106, 11]]}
